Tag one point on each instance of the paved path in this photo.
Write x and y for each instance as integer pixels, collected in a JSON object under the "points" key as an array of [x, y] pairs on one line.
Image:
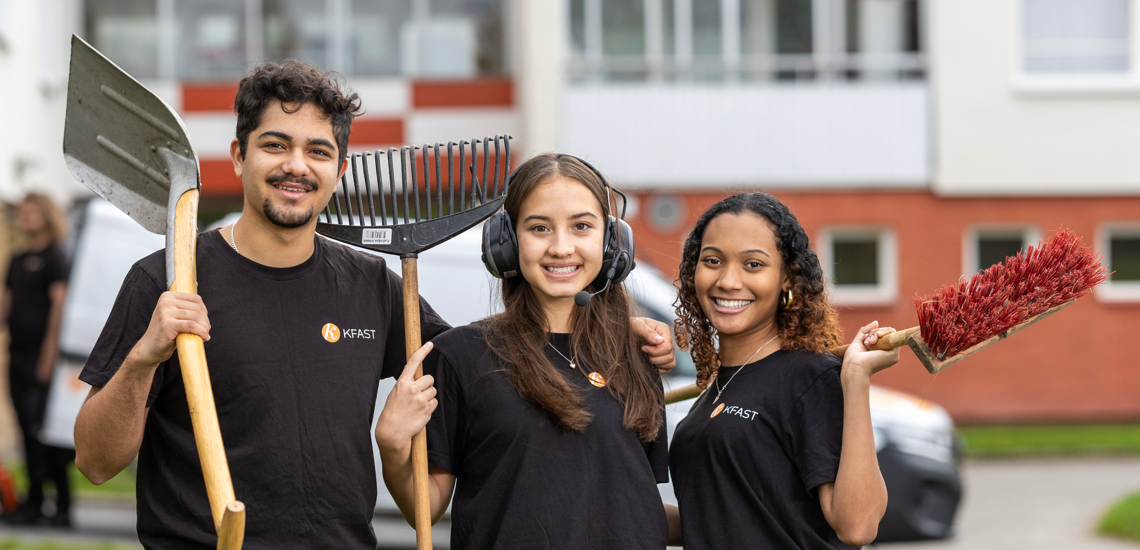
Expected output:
{"points": [[114, 522], [1048, 504], [1042, 504]]}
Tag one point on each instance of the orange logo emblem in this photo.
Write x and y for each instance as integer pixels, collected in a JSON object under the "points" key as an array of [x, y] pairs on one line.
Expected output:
{"points": [[331, 332], [597, 380], [717, 410]]}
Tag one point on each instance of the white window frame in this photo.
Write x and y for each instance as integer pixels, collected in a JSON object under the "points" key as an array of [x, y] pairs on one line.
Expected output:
{"points": [[1077, 84], [1118, 291], [884, 293], [1030, 235]]}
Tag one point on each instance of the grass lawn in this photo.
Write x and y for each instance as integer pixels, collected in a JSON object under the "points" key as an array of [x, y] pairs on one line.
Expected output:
{"points": [[1123, 519], [1074, 439], [16, 544], [120, 486]]}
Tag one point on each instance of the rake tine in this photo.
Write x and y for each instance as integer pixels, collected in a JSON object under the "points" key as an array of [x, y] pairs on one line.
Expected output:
{"points": [[507, 168], [451, 179], [462, 165], [416, 180], [497, 158], [485, 186], [336, 202], [392, 184], [356, 185], [438, 183], [379, 190], [427, 182], [368, 188], [327, 213], [404, 175], [347, 199]]}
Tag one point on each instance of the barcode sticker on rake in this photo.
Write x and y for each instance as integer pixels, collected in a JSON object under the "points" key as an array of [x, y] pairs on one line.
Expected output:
{"points": [[377, 236]]}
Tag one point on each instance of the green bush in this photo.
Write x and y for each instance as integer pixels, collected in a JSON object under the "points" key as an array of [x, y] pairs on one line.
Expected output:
{"points": [[1068, 439], [1123, 519]]}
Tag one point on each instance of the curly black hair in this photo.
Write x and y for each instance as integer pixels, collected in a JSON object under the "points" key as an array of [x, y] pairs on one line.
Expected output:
{"points": [[294, 83], [811, 323]]}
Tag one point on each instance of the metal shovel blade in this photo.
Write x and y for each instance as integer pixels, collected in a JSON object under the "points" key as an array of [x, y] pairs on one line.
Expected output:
{"points": [[123, 142]]}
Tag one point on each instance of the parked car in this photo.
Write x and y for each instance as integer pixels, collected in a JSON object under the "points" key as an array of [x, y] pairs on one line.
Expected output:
{"points": [[916, 440]]}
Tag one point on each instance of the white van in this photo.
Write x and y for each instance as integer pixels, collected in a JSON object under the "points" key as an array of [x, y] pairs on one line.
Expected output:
{"points": [[918, 448]]}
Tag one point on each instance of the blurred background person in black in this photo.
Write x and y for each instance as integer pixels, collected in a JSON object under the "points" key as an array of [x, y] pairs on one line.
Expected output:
{"points": [[34, 293]]}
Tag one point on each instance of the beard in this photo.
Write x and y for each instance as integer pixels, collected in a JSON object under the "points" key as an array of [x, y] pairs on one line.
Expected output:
{"points": [[288, 218]]}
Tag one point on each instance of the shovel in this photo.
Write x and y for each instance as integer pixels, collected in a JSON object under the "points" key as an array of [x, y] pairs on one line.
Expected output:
{"points": [[392, 221], [130, 148]]}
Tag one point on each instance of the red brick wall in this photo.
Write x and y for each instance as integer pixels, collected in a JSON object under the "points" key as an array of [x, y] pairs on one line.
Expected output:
{"points": [[1074, 366]]}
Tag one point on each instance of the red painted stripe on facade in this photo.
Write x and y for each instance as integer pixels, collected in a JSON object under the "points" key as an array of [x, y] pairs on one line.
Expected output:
{"points": [[377, 131], [489, 92], [208, 97], [218, 179]]}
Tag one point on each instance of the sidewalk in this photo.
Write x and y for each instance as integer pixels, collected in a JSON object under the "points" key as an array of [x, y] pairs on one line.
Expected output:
{"points": [[113, 521]]}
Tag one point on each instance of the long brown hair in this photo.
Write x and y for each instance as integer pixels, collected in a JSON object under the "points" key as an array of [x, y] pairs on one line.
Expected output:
{"points": [[601, 336], [811, 323], [54, 223]]}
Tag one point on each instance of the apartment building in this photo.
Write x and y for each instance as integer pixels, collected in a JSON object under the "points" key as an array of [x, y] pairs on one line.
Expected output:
{"points": [[918, 141]]}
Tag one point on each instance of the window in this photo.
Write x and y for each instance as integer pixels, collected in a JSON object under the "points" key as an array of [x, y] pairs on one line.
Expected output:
{"points": [[219, 39], [126, 31], [749, 40], [861, 265], [1076, 36], [1077, 46], [988, 246], [1120, 245]]}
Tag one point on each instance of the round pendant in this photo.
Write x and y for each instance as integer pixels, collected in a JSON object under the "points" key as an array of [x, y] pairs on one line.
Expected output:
{"points": [[597, 380]]}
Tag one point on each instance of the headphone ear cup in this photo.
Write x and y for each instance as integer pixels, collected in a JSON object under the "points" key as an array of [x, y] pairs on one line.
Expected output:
{"points": [[618, 248], [500, 246], [623, 255]]}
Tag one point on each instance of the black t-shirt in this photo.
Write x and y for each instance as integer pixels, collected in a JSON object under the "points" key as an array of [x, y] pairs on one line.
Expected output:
{"points": [[746, 468], [30, 275], [524, 482], [295, 355]]}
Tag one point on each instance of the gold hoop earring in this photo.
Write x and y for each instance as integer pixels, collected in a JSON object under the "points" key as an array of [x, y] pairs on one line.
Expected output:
{"points": [[788, 299]]}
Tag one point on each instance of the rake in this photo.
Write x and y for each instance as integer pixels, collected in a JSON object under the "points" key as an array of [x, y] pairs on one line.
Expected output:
{"points": [[962, 319], [411, 216]]}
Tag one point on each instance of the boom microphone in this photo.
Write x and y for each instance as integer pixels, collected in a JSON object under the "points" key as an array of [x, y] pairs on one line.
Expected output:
{"points": [[582, 298]]}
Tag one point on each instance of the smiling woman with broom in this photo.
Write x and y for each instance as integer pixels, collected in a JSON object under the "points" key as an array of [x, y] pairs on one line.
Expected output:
{"points": [[778, 452], [548, 424]]}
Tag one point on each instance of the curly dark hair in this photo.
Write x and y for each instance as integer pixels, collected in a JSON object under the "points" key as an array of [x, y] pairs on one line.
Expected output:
{"points": [[811, 323], [294, 83]]}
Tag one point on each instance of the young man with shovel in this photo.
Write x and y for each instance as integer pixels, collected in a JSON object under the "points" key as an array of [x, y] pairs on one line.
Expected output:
{"points": [[294, 395]]}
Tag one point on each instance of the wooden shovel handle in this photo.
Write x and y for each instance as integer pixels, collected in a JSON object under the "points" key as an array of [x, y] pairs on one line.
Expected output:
{"points": [[893, 340], [419, 441], [196, 379]]}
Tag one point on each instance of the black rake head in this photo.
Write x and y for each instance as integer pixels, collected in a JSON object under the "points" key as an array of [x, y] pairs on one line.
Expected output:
{"points": [[410, 209]]}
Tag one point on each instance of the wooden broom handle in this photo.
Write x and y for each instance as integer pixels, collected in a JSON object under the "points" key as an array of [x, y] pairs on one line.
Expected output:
{"points": [[419, 441], [229, 520], [896, 339]]}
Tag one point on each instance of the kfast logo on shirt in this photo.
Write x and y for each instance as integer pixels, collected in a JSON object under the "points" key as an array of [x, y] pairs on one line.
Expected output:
{"points": [[333, 333], [735, 411]]}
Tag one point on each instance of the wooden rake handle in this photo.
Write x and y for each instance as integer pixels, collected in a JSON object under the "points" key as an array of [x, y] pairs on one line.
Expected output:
{"points": [[419, 441], [893, 340], [228, 513]]}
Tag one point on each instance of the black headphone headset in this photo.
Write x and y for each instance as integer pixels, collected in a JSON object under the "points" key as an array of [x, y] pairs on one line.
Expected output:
{"points": [[501, 245]]}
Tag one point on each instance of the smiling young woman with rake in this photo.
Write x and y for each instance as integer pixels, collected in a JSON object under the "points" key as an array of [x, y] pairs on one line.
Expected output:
{"points": [[548, 424]]}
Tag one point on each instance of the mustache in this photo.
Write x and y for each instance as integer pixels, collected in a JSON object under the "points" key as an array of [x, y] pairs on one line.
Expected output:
{"points": [[283, 178]]}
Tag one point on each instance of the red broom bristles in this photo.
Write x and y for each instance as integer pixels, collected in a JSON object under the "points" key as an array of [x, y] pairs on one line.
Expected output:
{"points": [[960, 316]]}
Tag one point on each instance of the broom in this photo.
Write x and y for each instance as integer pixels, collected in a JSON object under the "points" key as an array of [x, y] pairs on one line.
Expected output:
{"points": [[959, 320]]}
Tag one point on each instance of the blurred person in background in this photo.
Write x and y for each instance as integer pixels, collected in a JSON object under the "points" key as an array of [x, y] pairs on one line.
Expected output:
{"points": [[33, 309]]}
